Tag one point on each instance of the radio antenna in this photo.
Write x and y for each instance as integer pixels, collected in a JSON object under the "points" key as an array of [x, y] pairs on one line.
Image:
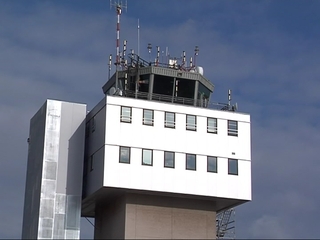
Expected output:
{"points": [[196, 53], [118, 6], [109, 64], [138, 38]]}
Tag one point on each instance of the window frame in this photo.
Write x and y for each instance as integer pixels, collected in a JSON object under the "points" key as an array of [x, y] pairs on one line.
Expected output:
{"points": [[233, 131], [129, 154], [237, 166], [168, 124], [195, 161], [216, 164], [173, 160], [148, 122], [214, 128], [123, 117], [142, 157], [189, 125]]}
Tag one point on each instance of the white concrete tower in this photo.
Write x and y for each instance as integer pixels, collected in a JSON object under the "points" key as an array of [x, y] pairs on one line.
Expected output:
{"points": [[52, 204]]}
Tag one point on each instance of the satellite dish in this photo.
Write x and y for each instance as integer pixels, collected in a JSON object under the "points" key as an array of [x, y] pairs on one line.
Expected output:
{"points": [[112, 91]]}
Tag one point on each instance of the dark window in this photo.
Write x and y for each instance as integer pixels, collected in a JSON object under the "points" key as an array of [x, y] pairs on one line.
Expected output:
{"points": [[212, 164], [190, 161], [147, 157], [185, 88], [147, 117], [191, 123], [203, 95], [232, 128], [125, 114], [124, 155], [169, 120], [233, 166], [212, 125], [162, 85], [169, 159]]}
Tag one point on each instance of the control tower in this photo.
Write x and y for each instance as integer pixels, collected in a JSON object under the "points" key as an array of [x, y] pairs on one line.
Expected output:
{"points": [[160, 159], [155, 158]]}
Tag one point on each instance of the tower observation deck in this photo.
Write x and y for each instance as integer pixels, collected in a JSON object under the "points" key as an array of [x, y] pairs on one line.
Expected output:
{"points": [[162, 82]]}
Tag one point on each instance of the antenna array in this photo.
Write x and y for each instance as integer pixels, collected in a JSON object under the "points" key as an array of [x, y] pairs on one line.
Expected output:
{"points": [[118, 7]]}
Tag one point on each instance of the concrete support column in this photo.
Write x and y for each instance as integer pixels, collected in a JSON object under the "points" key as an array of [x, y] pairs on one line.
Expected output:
{"points": [[140, 216]]}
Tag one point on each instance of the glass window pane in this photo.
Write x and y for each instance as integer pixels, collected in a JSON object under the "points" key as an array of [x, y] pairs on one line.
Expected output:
{"points": [[190, 162], [169, 120], [147, 157], [147, 117], [212, 164], [233, 166], [232, 128], [191, 122], [212, 125], [169, 159], [124, 155], [125, 114]]}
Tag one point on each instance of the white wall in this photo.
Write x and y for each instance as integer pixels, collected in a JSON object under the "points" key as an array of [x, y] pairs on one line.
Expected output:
{"points": [[179, 140]]}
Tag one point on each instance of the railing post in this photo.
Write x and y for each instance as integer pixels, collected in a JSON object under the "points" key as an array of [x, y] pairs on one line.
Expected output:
{"points": [[173, 89], [195, 97], [151, 81]]}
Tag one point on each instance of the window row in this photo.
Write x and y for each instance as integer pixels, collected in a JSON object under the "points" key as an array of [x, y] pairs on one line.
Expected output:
{"points": [[169, 160], [170, 121]]}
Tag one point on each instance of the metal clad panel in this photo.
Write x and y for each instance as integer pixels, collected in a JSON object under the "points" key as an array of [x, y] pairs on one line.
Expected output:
{"points": [[48, 189], [46, 210], [58, 228], [60, 207], [50, 170]]}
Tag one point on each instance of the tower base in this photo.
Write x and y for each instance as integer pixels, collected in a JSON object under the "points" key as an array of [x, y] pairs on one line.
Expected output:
{"points": [[142, 216]]}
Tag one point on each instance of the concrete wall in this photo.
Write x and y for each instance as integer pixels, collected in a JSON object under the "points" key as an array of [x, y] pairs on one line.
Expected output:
{"points": [[138, 216], [61, 151]]}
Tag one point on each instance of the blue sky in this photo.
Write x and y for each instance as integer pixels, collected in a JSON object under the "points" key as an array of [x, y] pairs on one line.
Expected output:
{"points": [[267, 52]]}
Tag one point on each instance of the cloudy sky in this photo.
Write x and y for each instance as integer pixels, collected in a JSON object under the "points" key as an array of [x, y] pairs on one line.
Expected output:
{"points": [[267, 52]]}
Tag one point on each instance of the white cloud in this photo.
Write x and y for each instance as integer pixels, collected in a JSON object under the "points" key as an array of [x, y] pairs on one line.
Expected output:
{"points": [[269, 227], [56, 52]]}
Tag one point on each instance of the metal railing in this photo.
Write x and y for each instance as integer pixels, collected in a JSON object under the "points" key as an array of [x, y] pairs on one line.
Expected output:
{"points": [[137, 60], [225, 224], [173, 99]]}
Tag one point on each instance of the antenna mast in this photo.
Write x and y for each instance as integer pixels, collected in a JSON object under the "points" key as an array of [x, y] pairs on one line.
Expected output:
{"points": [[196, 53], [109, 64], [118, 6], [138, 38]]}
